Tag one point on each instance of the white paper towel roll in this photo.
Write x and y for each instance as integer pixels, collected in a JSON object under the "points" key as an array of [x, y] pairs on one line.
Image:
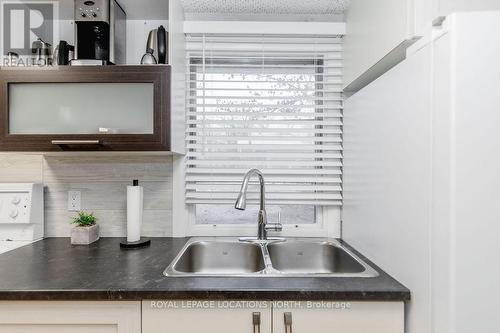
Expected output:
{"points": [[134, 212]]}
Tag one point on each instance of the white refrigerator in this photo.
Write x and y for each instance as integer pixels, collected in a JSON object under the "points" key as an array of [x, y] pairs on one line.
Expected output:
{"points": [[422, 175]]}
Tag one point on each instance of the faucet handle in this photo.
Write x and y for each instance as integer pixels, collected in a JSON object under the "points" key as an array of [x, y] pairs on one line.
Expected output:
{"points": [[275, 226]]}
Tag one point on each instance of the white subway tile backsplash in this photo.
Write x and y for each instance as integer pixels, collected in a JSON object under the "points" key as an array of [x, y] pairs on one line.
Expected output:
{"points": [[17, 168], [112, 223], [108, 195], [102, 181], [157, 223], [106, 169]]}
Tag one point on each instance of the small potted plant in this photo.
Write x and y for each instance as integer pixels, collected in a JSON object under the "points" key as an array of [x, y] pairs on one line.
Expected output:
{"points": [[86, 230]]}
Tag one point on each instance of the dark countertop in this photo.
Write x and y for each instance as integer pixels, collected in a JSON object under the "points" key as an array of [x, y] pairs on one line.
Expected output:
{"points": [[52, 269]]}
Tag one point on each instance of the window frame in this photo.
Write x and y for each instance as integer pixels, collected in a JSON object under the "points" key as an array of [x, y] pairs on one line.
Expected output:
{"points": [[326, 225]]}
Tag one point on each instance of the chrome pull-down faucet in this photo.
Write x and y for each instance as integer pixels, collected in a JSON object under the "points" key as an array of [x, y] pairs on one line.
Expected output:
{"points": [[241, 204]]}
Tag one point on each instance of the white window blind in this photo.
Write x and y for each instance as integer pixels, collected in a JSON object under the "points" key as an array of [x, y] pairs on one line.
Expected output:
{"points": [[268, 102]]}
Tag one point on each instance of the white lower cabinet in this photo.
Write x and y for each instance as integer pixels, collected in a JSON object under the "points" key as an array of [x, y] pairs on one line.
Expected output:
{"points": [[206, 317], [275, 317], [201, 316], [70, 317], [339, 317]]}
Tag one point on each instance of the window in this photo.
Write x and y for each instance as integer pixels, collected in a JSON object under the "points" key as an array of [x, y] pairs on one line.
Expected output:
{"points": [[266, 102]]}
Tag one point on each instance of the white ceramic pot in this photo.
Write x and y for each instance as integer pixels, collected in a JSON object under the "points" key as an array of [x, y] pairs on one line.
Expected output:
{"points": [[84, 235]]}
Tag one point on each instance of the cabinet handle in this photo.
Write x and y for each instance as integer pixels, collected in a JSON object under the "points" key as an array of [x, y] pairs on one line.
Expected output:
{"points": [[256, 322], [288, 322], [76, 142]]}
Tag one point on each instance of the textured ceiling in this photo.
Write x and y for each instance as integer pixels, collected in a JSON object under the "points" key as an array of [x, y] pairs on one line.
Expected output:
{"points": [[266, 7]]}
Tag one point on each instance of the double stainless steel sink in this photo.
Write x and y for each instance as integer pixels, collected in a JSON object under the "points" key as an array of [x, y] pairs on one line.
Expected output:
{"points": [[290, 257], [264, 256]]}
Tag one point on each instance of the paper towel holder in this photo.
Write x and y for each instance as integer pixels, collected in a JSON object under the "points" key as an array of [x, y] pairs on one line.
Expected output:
{"points": [[142, 242]]}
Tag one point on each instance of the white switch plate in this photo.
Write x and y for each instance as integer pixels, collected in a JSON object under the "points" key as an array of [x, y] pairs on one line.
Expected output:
{"points": [[74, 201]]}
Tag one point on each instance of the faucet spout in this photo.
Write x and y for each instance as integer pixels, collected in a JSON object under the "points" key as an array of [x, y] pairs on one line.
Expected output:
{"points": [[242, 201]]}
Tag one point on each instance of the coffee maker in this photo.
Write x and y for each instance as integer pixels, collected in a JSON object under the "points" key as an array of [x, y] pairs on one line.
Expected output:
{"points": [[100, 33]]}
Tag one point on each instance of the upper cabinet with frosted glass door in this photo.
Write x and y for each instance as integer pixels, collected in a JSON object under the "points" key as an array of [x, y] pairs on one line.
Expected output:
{"points": [[112, 108]]}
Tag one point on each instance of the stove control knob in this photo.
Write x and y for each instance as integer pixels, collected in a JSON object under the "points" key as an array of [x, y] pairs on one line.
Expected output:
{"points": [[94, 15], [16, 200], [84, 15], [13, 213]]}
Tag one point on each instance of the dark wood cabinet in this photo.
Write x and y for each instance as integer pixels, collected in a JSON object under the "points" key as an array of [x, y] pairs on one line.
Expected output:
{"points": [[87, 108]]}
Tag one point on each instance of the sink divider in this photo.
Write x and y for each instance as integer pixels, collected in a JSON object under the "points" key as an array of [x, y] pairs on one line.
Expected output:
{"points": [[267, 259]]}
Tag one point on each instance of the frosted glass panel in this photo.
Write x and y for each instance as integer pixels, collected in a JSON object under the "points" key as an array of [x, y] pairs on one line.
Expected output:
{"points": [[81, 108]]}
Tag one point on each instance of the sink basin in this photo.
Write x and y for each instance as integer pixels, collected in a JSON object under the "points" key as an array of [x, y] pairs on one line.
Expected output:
{"points": [[211, 256], [312, 258], [220, 257]]}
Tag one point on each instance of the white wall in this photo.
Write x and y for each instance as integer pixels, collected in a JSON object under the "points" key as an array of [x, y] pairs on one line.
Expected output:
{"points": [[465, 177], [475, 172], [378, 32], [441, 187], [446, 7], [387, 146], [374, 28], [137, 36], [421, 176], [177, 58]]}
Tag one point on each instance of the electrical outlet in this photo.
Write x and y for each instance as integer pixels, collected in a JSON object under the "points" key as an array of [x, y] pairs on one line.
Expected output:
{"points": [[74, 201]]}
